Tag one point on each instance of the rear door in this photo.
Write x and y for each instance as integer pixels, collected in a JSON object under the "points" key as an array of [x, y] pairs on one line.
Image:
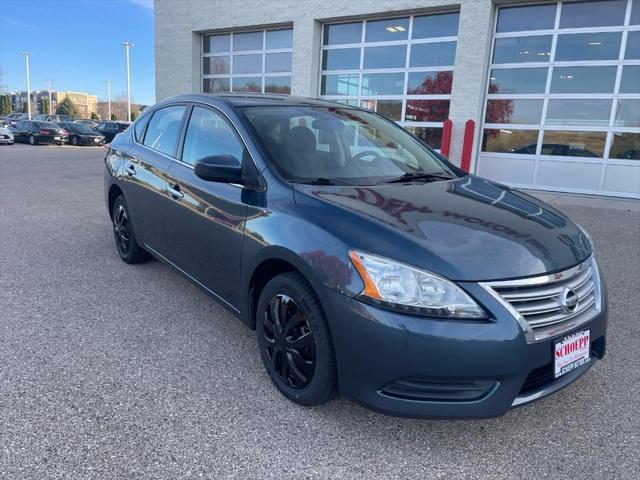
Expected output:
{"points": [[206, 220], [144, 179]]}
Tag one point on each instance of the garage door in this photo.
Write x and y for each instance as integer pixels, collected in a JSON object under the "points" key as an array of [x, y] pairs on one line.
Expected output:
{"points": [[562, 109]]}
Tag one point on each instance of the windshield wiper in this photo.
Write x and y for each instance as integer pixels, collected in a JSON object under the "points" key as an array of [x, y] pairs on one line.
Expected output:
{"points": [[429, 177], [320, 181]]}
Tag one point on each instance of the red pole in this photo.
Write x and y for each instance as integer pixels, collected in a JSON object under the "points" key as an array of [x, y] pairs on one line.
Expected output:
{"points": [[445, 146], [467, 145]]}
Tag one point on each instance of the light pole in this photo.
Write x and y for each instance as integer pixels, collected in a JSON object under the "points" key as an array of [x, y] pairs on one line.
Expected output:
{"points": [[109, 99], [50, 104], [26, 59], [127, 46]]}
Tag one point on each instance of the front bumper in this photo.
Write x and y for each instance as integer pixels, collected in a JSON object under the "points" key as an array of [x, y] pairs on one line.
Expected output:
{"points": [[91, 141], [423, 367], [51, 139]]}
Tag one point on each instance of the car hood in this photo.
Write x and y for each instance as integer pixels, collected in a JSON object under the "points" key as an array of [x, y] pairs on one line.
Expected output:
{"points": [[467, 229]]}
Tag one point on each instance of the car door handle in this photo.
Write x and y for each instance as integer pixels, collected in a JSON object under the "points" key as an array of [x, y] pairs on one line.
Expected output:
{"points": [[175, 192], [131, 170]]}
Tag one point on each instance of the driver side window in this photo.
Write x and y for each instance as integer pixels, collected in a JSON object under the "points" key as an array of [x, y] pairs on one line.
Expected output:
{"points": [[209, 134]]}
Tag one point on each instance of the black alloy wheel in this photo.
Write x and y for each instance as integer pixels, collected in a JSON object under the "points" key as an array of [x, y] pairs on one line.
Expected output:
{"points": [[124, 235], [289, 341], [294, 340], [122, 229]]}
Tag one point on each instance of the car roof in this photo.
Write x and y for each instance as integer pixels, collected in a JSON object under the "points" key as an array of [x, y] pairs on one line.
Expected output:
{"points": [[254, 100]]}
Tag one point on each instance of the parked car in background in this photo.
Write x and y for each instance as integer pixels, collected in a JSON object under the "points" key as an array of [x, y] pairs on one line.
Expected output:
{"points": [[35, 132], [80, 134], [14, 118], [556, 149], [6, 136], [111, 128], [631, 154], [85, 121], [44, 117], [367, 263]]}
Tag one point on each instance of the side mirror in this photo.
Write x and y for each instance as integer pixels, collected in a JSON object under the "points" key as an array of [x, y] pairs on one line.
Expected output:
{"points": [[219, 168]]}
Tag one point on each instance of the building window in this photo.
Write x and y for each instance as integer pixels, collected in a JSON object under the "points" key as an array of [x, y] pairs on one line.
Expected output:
{"points": [[258, 61], [564, 82], [399, 67]]}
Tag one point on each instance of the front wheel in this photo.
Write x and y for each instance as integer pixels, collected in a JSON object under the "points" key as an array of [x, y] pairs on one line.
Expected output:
{"points": [[125, 237], [295, 342], [32, 140]]}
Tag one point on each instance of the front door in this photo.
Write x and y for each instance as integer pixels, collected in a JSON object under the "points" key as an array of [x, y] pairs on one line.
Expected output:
{"points": [[205, 225]]}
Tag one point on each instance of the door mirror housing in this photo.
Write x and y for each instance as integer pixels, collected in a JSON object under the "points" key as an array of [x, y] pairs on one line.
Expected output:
{"points": [[219, 168]]}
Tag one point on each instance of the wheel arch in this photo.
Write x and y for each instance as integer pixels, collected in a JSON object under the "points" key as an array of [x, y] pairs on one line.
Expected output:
{"points": [[114, 192], [272, 262]]}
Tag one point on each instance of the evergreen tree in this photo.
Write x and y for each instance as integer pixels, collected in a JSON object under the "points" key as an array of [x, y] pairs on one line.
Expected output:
{"points": [[67, 107], [43, 106], [5, 105]]}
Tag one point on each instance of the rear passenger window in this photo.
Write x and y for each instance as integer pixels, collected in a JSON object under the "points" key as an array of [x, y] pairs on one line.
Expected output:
{"points": [[209, 134], [138, 128], [164, 129]]}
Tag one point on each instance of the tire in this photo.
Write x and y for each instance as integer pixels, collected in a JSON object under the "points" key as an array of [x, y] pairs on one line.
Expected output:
{"points": [[32, 140], [74, 141], [305, 332], [125, 238]]}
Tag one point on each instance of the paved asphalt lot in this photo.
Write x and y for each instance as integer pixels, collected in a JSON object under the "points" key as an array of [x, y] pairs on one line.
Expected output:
{"points": [[116, 371]]}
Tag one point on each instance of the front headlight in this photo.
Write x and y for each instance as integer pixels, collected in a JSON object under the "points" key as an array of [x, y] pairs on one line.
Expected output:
{"points": [[401, 287], [588, 237]]}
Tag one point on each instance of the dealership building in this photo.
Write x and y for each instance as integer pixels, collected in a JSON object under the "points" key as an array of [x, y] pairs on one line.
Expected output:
{"points": [[552, 88]]}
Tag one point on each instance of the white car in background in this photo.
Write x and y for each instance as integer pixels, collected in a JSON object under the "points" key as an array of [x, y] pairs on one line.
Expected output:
{"points": [[6, 136]]}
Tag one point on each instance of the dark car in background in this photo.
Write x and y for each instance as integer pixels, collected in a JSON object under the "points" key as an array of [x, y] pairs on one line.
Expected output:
{"points": [[35, 132], [366, 262], [111, 128], [80, 134]]}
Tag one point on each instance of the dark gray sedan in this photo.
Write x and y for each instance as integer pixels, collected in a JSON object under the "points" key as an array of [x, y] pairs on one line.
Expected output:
{"points": [[366, 262]]}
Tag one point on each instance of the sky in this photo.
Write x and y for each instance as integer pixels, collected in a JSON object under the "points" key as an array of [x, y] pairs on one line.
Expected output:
{"points": [[76, 44]]}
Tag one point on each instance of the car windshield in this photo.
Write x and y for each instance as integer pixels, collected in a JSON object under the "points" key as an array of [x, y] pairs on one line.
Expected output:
{"points": [[80, 128], [343, 145]]}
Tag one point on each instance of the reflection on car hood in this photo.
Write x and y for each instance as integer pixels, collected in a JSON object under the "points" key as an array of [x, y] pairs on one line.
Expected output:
{"points": [[465, 229]]}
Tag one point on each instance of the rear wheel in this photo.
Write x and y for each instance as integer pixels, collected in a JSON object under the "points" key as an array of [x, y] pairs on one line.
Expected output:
{"points": [[32, 140], [125, 237], [74, 140], [295, 342]]}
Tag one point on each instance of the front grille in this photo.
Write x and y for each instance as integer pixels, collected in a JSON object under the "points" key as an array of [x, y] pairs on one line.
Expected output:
{"points": [[543, 376], [538, 378], [540, 305]]}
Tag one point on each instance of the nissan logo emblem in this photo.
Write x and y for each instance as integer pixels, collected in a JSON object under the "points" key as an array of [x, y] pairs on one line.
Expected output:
{"points": [[569, 300]]}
